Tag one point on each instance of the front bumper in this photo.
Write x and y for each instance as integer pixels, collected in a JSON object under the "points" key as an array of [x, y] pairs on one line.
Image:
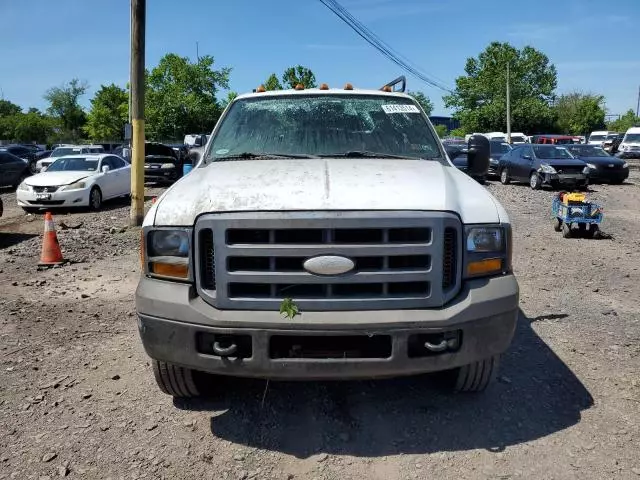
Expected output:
{"points": [[153, 174], [172, 319], [555, 179], [608, 175], [71, 198]]}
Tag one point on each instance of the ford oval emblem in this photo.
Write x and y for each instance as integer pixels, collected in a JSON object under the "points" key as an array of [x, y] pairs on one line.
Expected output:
{"points": [[329, 265]]}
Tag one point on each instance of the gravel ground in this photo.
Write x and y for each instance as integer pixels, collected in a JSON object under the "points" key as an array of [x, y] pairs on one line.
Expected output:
{"points": [[77, 396]]}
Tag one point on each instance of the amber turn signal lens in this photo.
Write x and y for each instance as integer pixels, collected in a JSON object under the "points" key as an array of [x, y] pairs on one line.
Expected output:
{"points": [[261, 89], [299, 86], [175, 270], [348, 86], [324, 86], [484, 267]]}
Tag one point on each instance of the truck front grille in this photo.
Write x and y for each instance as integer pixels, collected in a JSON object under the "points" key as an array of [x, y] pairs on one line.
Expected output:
{"points": [[254, 260]]}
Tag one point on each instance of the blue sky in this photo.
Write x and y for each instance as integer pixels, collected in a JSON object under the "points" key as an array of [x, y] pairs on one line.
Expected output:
{"points": [[44, 43]]}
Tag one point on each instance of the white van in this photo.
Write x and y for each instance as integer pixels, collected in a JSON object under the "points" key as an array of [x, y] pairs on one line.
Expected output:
{"points": [[630, 145], [598, 137], [518, 137]]}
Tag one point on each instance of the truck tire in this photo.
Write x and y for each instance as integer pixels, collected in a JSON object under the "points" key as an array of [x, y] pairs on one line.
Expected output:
{"points": [[557, 224], [174, 380], [477, 376]]}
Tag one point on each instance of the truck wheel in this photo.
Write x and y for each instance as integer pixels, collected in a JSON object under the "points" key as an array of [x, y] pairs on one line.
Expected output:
{"points": [[174, 380], [477, 376], [566, 230], [557, 224], [593, 228]]}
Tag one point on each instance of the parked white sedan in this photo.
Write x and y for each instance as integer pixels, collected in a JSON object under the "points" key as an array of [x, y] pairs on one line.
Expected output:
{"points": [[76, 181]]}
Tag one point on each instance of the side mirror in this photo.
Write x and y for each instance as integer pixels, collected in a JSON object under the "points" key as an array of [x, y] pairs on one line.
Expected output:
{"points": [[105, 168], [478, 155]]}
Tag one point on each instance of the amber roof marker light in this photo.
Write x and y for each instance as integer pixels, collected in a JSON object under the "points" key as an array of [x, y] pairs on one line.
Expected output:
{"points": [[324, 86], [348, 86], [261, 89], [299, 86]]}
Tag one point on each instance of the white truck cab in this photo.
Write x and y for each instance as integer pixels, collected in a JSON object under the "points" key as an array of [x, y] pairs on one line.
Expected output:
{"points": [[630, 145], [325, 234], [598, 137]]}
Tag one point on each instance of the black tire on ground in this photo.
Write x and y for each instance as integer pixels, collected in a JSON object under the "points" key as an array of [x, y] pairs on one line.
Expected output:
{"points": [[477, 376], [566, 230], [557, 224], [505, 179], [534, 181], [95, 199], [174, 380], [593, 228]]}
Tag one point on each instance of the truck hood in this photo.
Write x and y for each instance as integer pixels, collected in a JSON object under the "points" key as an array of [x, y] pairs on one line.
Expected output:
{"points": [[324, 184], [50, 179]]}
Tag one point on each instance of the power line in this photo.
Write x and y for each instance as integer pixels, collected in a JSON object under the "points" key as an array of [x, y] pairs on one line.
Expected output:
{"points": [[377, 43]]}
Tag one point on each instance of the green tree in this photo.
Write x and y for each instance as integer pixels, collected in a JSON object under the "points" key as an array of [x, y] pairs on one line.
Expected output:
{"points": [[33, 127], [625, 122], [479, 99], [458, 132], [64, 105], [441, 130], [181, 96], [231, 96], [579, 113], [272, 83], [8, 108], [423, 101], [109, 113], [293, 76], [8, 127]]}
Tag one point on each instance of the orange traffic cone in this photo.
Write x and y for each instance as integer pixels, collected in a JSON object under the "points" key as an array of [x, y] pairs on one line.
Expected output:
{"points": [[51, 254]]}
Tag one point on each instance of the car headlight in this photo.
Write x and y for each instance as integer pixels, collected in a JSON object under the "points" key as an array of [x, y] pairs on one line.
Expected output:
{"points": [[488, 250], [23, 187], [591, 166], [493, 161], [546, 168], [165, 166], [625, 165], [166, 253], [74, 186]]}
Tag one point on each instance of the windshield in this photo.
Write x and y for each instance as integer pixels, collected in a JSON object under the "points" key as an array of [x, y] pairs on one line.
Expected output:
{"points": [[588, 151], [632, 138], [518, 139], [597, 138], [61, 152], [73, 164], [547, 152], [499, 148], [324, 125]]}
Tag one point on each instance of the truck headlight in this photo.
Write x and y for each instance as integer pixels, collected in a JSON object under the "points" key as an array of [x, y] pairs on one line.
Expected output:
{"points": [[546, 168], [23, 187], [488, 250], [166, 253], [74, 186]]}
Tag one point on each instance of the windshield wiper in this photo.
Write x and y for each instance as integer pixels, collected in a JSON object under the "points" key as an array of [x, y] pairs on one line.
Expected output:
{"points": [[364, 154], [253, 156]]}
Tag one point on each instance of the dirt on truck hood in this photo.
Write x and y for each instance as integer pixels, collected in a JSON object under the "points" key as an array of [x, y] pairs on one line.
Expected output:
{"points": [[325, 184]]}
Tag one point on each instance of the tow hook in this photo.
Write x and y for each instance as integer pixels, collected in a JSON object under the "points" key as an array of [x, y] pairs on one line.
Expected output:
{"points": [[445, 344], [224, 351]]}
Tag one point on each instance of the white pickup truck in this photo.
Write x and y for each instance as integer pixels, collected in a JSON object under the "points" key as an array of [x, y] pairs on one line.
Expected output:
{"points": [[340, 208]]}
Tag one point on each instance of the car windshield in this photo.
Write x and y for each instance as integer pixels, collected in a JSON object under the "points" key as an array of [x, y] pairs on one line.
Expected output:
{"points": [[544, 152], [588, 151], [61, 152], [324, 125], [632, 138], [68, 164], [597, 138], [498, 148], [518, 139]]}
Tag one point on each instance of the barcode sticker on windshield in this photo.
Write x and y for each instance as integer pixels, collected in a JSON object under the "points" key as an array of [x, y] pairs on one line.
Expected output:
{"points": [[400, 109]]}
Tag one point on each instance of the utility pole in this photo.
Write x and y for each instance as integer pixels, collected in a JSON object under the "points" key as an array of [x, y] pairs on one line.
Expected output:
{"points": [[138, 14], [638, 107], [508, 107]]}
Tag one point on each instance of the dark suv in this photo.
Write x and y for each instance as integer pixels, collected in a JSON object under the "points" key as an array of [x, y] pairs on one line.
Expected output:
{"points": [[543, 165]]}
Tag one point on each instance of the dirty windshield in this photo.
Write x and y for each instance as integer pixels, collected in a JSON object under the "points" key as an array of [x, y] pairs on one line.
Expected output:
{"points": [[73, 164], [324, 126]]}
